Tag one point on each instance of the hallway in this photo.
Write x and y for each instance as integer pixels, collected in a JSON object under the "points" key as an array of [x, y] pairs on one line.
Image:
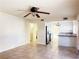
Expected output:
{"points": [[39, 52]]}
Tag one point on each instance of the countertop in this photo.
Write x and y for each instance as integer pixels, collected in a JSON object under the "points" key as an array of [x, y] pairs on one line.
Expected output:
{"points": [[67, 35]]}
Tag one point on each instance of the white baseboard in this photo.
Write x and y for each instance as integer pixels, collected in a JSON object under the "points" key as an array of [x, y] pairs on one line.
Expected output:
{"points": [[41, 43], [3, 50]]}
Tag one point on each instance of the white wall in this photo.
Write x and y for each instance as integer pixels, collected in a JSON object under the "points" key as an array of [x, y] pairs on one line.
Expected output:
{"points": [[78, 34], [27, 29], [75, 27], [12, 32], [66, 26], [41, 33]]}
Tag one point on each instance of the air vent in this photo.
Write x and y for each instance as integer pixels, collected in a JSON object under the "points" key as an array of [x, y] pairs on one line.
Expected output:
{"points": [[65, 18], [42, 19]]}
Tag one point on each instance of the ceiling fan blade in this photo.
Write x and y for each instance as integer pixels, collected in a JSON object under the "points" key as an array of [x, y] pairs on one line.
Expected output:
{"points": [[42, 12], [37, 16], [27, 15]]}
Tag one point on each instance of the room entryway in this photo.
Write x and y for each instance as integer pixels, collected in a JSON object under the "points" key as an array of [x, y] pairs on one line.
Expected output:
{"points": [[33, 33]]}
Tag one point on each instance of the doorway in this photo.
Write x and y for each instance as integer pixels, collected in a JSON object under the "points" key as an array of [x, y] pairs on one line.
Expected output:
{"points": [[33, 33]]}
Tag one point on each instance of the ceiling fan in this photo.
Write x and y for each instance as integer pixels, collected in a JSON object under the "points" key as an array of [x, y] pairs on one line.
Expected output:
{"points": [[35, 12]]}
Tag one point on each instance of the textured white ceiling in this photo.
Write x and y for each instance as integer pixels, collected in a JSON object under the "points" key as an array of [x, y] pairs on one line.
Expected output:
{"points": [[57, 8]]}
